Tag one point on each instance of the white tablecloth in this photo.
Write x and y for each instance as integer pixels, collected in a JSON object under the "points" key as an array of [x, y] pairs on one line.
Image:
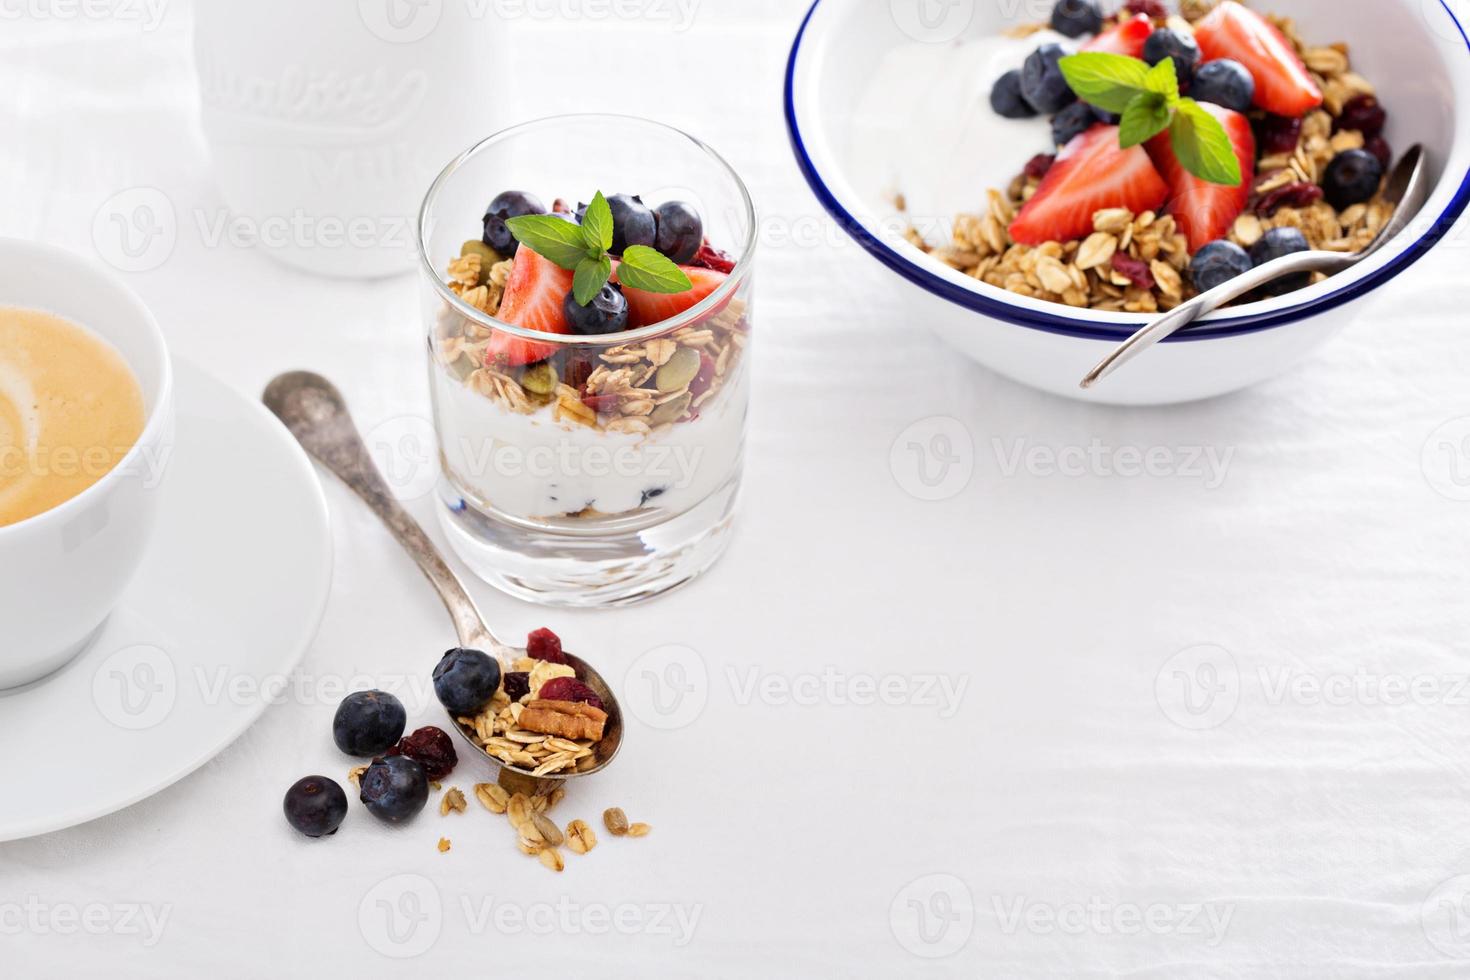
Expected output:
{"points": [[1068, 720]]}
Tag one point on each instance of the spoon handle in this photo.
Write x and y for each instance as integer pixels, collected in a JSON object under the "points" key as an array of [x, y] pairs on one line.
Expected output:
{"points": [[1207, 302], [315, 413]]}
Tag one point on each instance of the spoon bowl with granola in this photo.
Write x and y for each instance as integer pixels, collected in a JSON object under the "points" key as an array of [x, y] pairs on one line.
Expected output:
{"points": [[1042, 190]]}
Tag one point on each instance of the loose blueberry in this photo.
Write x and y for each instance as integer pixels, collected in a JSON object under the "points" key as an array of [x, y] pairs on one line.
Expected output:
{"points": [[607, 313], [395, 789], [633, 223], [1072, 122], [1075, 18], [368, 723], [1006, 98], [1218, 263], [1179, 45], [316, 806], [1352, 178], [680, 231], [1042, 82], [511, 204], [1273, 245], [465, 681], [1224, 82]]}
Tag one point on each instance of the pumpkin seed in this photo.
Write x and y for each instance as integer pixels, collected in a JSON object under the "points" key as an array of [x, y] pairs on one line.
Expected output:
{"points": [[488, 255], [539, 379], [679, 371], [671, 411]]}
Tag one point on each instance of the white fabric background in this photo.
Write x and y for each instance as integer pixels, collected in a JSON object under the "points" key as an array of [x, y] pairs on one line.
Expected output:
{"points": [[1322, 829]]}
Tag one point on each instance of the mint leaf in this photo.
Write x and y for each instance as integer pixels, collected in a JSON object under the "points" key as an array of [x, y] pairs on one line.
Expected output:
{"points": [[1163, 79], [551, 237], [1146, 117], [597, 225], [648, 270], [592, 275], [1202, 145], [1108, 81]]}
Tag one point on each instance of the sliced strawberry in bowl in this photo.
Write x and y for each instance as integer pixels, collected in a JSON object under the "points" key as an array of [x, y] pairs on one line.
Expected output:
{"points": [[1283, 84], [1092, 173], [1127, 38], [533, 299], [1204, 211], [645, 308]]}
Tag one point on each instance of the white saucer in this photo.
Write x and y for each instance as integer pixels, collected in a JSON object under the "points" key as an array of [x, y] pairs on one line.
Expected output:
{"points": [[234, 587]]}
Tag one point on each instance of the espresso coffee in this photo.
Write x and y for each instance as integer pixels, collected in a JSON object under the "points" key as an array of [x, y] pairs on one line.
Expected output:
{"points": [[70, 410]]}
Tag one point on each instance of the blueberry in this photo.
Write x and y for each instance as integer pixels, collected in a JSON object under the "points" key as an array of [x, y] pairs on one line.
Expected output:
{"points": [[1224, 82], [680, 231], [1218, 263], [607, 313], [1042, 83], [1072, 122], [1006, 98], [1075, 18], [316, 806], [1179, 45], [1352, 178], [465, 681], [1273, 245], [511, 204], [633, 223], [368, 723], [395, 789]]}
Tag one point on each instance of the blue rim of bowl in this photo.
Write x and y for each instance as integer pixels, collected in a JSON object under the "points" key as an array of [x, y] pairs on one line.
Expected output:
{"points": [[1074, 327]]}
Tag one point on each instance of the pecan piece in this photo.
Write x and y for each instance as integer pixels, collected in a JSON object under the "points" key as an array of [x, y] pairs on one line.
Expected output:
{"points": [[564, 719]]}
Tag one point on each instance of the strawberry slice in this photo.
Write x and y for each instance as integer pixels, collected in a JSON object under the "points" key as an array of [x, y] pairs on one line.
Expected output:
{"points": [[533, 299], [1092, 173], [1205, 211], [1127, 38], [647, 308], [1283, 84]]}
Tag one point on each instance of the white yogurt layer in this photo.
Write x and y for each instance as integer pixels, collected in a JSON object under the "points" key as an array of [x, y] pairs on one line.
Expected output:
{"points": [[535, 468], [924, 128]]}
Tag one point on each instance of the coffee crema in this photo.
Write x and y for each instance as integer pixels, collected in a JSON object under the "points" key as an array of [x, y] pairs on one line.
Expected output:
{"points": [[70, 410]]}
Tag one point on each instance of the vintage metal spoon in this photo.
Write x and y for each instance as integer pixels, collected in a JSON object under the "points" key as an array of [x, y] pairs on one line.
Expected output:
{"points": [[316, 414], [1407, 189]]}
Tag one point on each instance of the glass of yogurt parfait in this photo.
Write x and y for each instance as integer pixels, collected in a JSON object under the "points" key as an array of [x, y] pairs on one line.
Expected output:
{"points": [[590, 380]]}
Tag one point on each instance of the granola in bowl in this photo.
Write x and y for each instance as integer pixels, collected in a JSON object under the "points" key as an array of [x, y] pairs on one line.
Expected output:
{"points": [[1131, 215], [590, 428]]}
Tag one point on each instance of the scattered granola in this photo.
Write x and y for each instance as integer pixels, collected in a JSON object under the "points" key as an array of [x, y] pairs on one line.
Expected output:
{"points": [[444, 845], [580, 837], [616, 821], [452, 802]]}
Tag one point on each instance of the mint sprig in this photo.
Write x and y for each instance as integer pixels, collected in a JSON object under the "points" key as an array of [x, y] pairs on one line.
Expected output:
{"points": [[583, 250], [1149, 102]]}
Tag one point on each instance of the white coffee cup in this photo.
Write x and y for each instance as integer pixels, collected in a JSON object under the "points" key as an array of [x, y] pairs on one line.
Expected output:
{"points": [[62, 572], [328, 121]]}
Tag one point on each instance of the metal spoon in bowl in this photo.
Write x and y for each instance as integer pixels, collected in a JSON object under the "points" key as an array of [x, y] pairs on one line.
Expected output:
{"points": [[316, 414], [1407, 190]]}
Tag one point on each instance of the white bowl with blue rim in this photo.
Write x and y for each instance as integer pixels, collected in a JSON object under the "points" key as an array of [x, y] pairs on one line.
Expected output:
{"points": [[1420, 67]]}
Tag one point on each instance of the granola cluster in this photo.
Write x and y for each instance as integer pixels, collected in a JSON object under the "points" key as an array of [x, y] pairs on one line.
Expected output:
{"points": [[642, 389], [508, 728], [1138, 263]]}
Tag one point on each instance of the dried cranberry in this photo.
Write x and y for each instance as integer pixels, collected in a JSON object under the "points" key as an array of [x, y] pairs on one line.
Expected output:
{"points": [[710, 257], [517, 685], [1299, 195], [560, 206], [431, 748], [1039, 165], [1280, 134], [1362, 113], [1136, 270], [603, 404], [1154, 8], [1378, 146], [568, 689], [579, 367], [545, 645], [705, 377]]}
